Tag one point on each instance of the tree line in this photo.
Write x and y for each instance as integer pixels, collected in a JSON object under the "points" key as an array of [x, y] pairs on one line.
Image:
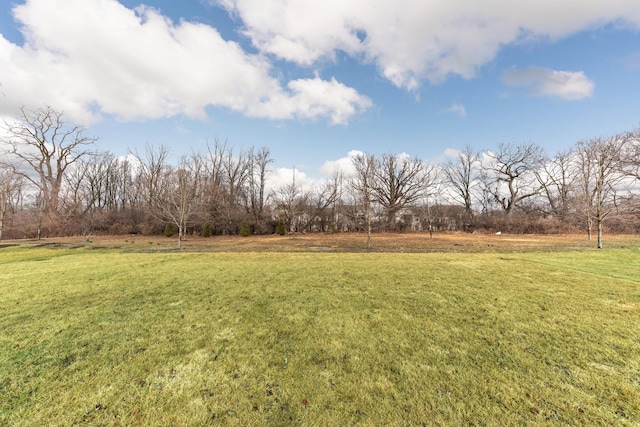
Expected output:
{"points": [[54, 181]]}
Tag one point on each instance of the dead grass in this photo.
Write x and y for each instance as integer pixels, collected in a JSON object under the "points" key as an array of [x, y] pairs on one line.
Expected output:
{"points": [[350, 242]]}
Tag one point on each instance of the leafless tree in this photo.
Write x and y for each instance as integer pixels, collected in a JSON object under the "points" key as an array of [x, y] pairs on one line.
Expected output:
{"points": [[486, 189], [600, 169], [557, 183], [514, 167], [178, 194], [362, 185], [462, 176], [631, 154], [153, 165], [397, 184], [432, 183], [10, 185], [291, 201], [126, 180], [321, 202], [228, 174], [89, 184], [47, 146], [256, 182]]}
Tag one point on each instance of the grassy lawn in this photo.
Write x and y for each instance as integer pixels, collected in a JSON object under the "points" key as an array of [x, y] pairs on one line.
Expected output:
{"points": [[112, 336]]}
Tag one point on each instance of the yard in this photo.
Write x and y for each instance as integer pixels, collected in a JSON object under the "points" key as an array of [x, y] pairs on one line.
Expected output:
{"points": [[315, 330]]}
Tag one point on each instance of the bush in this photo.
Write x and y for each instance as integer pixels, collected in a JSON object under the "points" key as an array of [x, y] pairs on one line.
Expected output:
{"points": [[206, 230], [168, 230], [280, 229], [245, 231]]}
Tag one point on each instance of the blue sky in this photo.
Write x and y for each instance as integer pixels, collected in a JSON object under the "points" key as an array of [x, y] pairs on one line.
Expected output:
{"points": [[314, 81]]}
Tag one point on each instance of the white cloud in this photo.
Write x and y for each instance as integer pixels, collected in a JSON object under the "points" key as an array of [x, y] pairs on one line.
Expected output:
{"points": [[312, 98], [452, 152], [344, 164], [545, 82], [413, 40], [456, 109], [281, 177], [90, 57]]}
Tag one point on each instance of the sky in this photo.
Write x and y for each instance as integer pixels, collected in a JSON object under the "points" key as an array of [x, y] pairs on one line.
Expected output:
{"points": [[317, 81]]}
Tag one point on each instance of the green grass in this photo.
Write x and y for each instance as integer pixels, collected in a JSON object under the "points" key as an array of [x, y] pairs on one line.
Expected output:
{"points": [[103, 337]]}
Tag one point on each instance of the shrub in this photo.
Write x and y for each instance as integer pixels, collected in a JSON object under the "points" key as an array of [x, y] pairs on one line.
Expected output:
{"points": [[245, 231], [206, 230], [168, 230], [280, 229]]}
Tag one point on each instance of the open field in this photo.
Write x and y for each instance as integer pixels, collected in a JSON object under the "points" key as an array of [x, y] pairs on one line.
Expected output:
{"points": [[458, 330]]}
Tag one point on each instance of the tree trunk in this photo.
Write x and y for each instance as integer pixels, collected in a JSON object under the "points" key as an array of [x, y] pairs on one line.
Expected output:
{"points": [[39, 232], [599, 234], [429, 221], [369, 230]]}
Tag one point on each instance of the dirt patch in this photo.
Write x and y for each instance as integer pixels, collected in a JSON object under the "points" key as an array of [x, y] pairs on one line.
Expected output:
{"points": [[58, 245], [345, 242]]}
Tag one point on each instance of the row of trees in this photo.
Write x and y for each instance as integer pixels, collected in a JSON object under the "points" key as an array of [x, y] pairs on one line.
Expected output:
{"points": [[54, 181]]}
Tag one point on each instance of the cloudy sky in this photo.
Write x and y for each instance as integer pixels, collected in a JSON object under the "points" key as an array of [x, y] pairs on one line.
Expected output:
{"points": [[315, 80]]}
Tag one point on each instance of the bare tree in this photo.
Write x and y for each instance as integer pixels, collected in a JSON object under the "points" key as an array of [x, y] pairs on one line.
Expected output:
{"points": [[152, 168], [89, 183], [397, 184], [236, 170], [291, 201], [486, 189], [362, 185], [256, 182], [557, 182], [513, 166], [178, 193], [47, 146], [462, 176], [321, 202], [631, 154], [10, 185], [432, 183], [228, 174], [600, 168], [125, 181]]}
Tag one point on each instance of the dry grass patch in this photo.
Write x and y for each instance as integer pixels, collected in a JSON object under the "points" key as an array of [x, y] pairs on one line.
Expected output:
{"points": [[348, 242]]}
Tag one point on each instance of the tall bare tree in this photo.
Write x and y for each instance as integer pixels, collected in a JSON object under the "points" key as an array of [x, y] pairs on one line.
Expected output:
{"points": [[291, 200], [256, 183], [514, 167], [631, 155], [361, 183], [432, 183], [557, 183], [153, 165], [397, 184], [10, 186], [461, 175], [228, 174], [600, 168], [321, 202], [178, 193], [47, 146], [89, 183]]}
